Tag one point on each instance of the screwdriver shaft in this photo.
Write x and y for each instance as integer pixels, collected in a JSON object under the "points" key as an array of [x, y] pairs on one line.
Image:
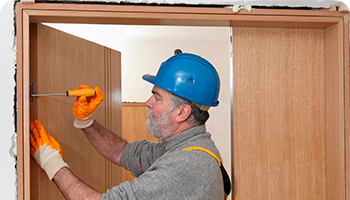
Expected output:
{"points": [[54, 94]]}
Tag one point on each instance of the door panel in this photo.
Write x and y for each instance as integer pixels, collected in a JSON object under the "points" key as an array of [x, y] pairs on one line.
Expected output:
{"points": [[63, 62], [279, 114]]}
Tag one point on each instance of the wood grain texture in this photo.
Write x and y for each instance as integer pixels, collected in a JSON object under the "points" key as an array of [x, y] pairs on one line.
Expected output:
{"points": [[133, 119], [180, 19], [64, 62], [279, 114], [347, 102], [25, 106], [113, 108], [20, 100], [335, 127]]}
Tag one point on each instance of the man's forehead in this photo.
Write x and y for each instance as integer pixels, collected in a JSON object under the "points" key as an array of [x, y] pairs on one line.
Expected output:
{"points": [[159, 91]]}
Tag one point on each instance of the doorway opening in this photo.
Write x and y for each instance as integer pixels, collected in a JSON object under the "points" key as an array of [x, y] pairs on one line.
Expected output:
{"points": [[143, 48]]}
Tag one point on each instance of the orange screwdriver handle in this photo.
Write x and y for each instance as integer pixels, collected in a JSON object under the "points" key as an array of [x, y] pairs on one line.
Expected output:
{"points": [[88, 92]]}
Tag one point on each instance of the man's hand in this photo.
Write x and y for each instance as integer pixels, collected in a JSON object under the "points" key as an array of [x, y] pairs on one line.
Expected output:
{"points": [[84, 106], [45, 149]]}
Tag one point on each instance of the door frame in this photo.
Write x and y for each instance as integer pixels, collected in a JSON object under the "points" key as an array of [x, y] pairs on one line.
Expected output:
{"points": [[335, 24]]}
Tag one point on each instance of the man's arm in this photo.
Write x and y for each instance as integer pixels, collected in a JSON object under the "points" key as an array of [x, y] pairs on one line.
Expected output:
{"points": [[47, 153], [107, 143], [72, 187]]}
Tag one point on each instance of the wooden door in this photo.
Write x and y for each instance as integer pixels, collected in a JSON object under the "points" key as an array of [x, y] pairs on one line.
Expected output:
{"points": [[280, 138], [63, 62]]}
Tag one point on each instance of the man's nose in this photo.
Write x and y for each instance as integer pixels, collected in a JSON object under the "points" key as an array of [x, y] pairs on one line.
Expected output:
{"points": [[149, 102]]}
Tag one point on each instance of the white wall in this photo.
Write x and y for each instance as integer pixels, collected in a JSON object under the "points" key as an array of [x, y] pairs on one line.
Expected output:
{"points": [[7, 171]]}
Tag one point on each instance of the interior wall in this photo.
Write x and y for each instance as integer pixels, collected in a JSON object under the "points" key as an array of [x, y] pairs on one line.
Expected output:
{"points": [[144, 48]]}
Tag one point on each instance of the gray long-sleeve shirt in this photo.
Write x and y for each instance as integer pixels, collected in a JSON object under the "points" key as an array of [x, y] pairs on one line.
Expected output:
{"points": [[164, 171]]}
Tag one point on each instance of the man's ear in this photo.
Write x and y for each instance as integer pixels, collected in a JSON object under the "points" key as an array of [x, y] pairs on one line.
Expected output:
{"points": [[183, 113]]}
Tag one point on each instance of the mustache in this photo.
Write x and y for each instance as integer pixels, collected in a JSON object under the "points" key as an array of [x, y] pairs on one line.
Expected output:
{"points": [[149, 112]]}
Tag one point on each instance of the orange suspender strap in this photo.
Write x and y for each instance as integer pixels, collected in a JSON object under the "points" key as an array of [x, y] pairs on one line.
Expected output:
{"points": [[225, 177]]}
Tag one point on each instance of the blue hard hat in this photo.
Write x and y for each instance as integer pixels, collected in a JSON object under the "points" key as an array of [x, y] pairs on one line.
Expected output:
{"points": [[188, 76]]}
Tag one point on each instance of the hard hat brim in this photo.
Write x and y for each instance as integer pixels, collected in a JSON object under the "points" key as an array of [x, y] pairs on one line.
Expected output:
{"points": [[150, 78], [153, 80]]}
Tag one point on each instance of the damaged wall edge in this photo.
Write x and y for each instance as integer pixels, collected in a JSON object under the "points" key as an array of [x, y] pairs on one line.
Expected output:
{"points": [[13, 149], [264, 4]]}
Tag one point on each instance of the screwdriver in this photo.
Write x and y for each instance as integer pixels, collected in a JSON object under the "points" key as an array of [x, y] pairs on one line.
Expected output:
{"points": [[88, 92]]}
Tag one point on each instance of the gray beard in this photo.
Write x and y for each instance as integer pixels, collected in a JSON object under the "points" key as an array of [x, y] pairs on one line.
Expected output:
{"points": [[161, 127]]}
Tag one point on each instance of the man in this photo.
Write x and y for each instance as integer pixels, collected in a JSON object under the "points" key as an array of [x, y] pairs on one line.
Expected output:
{"points": [[183, 165]]}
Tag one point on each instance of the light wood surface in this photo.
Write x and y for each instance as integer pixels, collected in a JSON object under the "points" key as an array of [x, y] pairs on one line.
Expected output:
{"points": [[335, 127], [279, 114], [138, 15], [63, 62], [25, 95], [347, 104], [134, 117], [180, 19], [19, 102]]}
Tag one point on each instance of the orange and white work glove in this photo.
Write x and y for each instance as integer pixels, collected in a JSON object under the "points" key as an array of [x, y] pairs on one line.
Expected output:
{"points": [[45, 150], [84, 106]]}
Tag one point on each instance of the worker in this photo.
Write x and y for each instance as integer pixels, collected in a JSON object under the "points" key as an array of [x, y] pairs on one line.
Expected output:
{"points": [[184, 164]]}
